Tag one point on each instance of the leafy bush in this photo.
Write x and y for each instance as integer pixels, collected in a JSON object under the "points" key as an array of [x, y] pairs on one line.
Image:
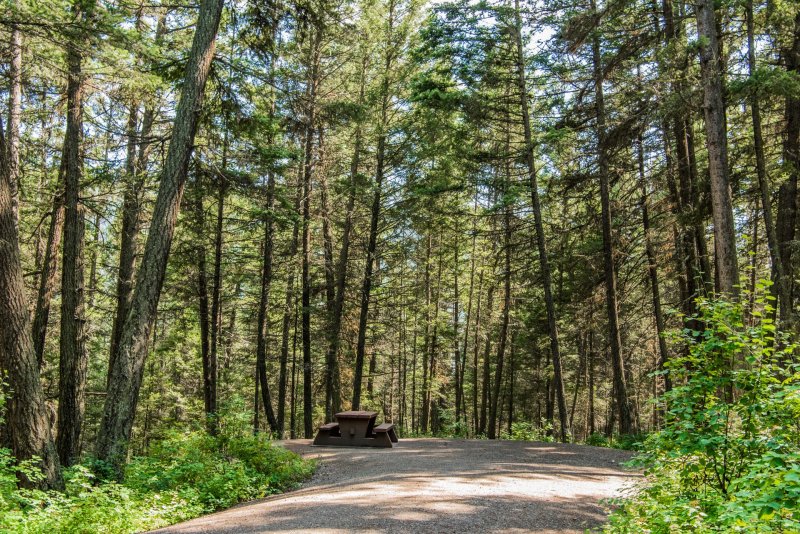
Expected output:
{"points": [[728, 458], [596, 439], [628, 442], [524, 431], [183, 476], [625, 442]]}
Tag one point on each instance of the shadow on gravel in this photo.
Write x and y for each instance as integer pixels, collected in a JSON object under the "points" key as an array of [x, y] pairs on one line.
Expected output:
{"points": [[432, 485], [451, 515]]}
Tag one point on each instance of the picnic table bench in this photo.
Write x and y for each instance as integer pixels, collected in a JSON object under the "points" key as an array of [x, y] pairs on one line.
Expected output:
{"points": [[356, 429]]}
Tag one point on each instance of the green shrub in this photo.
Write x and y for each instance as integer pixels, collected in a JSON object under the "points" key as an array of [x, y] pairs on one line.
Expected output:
{"points": [[183, 476], [596, 439], [628, 442], [728, 458], [524, 431]]}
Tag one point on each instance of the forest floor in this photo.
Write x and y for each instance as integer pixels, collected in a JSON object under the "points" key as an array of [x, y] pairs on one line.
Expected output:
{"points": [[438, 485]]}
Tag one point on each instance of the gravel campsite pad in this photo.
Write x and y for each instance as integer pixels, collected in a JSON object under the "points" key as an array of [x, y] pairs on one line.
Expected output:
{"points": [[438, 485]]}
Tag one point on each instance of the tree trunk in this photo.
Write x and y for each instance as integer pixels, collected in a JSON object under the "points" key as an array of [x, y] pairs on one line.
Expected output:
{"points": [[288, 312], [511, 373], [486, 380], [652, 268], [765, 188], [215, 319], [456, 348], [475, 356], [504, 321], [202, 301], [787, 196], [727, 266], [47, 280], [433, 350], [541, 242], [27, 416], [14, 114], [380, 163], [73, 356], [135, 165], [590, 416], [263, 310], [313, 80], [690, 243], [126, 373], [333, 395], [424, 407], [618, 364]]}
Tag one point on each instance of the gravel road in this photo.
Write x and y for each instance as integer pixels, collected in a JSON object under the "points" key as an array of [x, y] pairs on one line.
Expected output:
{"points": [[437, 485]]}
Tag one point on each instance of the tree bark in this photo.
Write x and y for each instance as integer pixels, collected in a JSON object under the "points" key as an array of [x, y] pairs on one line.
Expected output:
{"points": [[138, 150], [27, 416], [263, 307], [126, 373], [202, 300], [504, 321], [787, 196], [727, 266], [73, 356]]}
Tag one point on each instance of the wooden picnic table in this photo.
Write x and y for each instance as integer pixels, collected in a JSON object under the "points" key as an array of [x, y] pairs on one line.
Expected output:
{"points": [[355, 428]]}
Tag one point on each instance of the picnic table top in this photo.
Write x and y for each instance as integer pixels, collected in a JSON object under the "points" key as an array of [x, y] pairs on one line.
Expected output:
{"points": [[354, 414]]}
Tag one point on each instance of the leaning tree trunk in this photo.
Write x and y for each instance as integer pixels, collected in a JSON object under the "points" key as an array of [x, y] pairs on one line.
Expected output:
{"points": [[126, 374], [135, 164], [541, 243], [716, 143], [27, 415], [47, 279]]}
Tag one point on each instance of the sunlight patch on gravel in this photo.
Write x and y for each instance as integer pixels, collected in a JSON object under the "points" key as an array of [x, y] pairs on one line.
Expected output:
{"points": [[435, 485]]}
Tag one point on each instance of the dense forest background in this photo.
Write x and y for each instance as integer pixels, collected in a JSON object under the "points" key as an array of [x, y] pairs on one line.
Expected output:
{"points": [[464, 216]]}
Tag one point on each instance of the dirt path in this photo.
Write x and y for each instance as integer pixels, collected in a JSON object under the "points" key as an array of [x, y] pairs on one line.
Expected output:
{"points": [[437, 485]]}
